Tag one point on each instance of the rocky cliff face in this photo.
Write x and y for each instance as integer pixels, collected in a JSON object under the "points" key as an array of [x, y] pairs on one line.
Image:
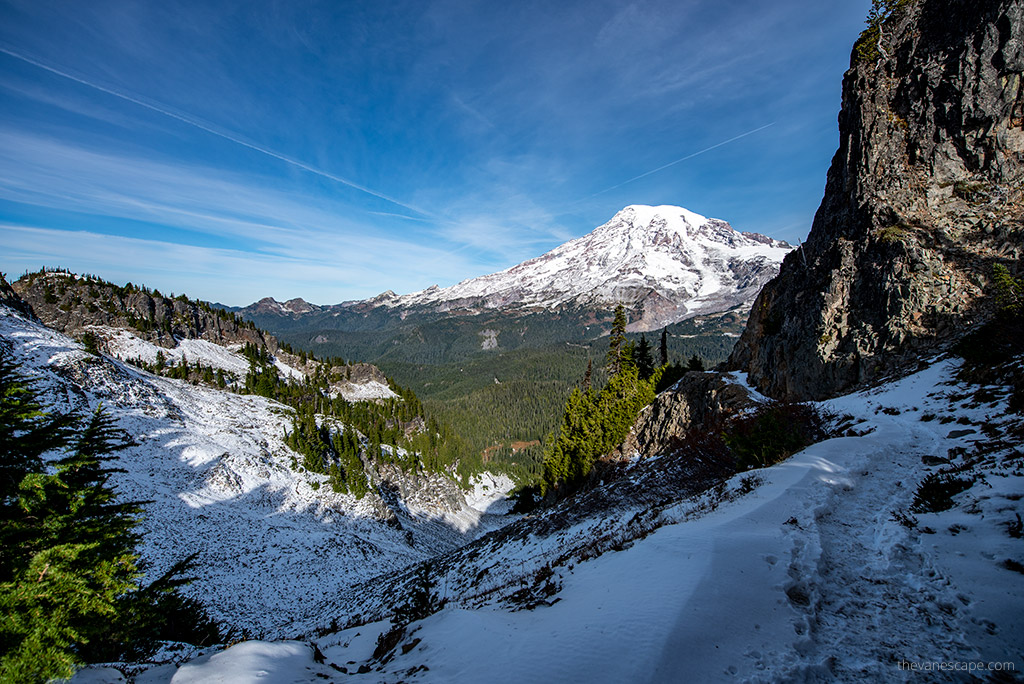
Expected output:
{"points": [[924, 196], [68, 303], [697, 399]]}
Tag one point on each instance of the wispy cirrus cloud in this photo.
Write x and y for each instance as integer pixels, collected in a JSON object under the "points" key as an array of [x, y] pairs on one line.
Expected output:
{"points": [[227, 215], [452, 136]]}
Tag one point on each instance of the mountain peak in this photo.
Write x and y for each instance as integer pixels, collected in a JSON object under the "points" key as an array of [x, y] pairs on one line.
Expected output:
{"points": [[672, 262]]}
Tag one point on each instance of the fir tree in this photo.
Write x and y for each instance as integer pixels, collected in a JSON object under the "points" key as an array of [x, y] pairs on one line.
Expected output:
{"points": [[68, 569], [616, 340], [663, 349], [644, 360], [423, 601]]}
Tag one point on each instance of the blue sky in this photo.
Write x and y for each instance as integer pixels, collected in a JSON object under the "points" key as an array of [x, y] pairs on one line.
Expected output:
{"points": [[332, 150]]}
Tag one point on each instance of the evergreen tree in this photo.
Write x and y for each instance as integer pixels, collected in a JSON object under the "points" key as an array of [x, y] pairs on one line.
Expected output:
{"points": [[695, 363], [593, 424], [90, 342], [26, 433], [423, 601], [616, 340], [68, 570], [644, 361], [663, 349]]}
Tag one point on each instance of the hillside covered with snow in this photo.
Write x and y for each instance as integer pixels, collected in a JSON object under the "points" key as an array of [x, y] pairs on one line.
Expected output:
{"points": [[816, 568], [273, 540]]}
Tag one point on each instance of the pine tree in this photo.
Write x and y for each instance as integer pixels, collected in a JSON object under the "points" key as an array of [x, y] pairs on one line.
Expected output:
{"points": [[644, 361], [68, 569], [423, 601], [616, 340], [664, 347], [26, 433], [695, 363], [75, 560]]}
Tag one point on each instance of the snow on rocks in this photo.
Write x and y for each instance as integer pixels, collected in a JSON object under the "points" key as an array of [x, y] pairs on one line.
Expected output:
{"points": [[367, 391], [123, 345], [490, 492], [273, 545], [282, 662], [804, 573]]}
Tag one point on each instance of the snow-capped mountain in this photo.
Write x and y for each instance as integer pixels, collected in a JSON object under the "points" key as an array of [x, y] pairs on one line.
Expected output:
{"points": [[674, 262]]}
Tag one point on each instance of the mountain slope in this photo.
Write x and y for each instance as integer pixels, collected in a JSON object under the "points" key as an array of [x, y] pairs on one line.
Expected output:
{"points": [[273, 540], [801, 571], [670, 261], [924, 196]]}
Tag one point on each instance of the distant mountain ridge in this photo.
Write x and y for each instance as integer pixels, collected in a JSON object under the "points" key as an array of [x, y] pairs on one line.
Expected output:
{"points": [[666, 263]]}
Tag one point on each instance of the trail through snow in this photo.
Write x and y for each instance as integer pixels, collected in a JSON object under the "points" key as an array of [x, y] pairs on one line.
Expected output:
{"points": [[801, 574]]}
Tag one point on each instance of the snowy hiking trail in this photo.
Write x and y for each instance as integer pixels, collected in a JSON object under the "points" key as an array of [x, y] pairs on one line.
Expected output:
{"points": [[806, 578]]}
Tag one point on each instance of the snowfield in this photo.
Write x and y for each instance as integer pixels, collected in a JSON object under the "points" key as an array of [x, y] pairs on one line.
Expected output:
{"points": [[801, 573], [814, 569], [702, 265], [271, 547]]}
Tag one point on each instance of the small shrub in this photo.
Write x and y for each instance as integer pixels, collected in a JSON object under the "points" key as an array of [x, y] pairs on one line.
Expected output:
{"points": [[774, 432], [91, 343], [748, 483], [387, 641], [904, 519], [866, 47], [936, 492], [892, 234], [1011, 564], [1015, 528], [971, 191]]}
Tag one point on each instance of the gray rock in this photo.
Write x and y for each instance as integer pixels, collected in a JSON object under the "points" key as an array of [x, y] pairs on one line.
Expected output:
{"points": [[896, 263]]}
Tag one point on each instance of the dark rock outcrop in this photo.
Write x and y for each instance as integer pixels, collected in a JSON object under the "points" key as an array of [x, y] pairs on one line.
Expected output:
{"points": [[698, 399], [924, 196], [69, 303], [10, 298]]}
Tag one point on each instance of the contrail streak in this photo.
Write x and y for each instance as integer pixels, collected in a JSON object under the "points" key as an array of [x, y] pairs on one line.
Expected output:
{"points": [[212, 131], [677, 161]]}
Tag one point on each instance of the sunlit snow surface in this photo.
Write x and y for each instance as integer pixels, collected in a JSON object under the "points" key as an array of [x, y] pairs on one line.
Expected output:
{"points": [[683, 255], [219, 479], [806, 578]]}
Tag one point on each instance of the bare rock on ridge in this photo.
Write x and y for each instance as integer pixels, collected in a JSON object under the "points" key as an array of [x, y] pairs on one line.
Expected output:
{"points": [[924, 196]]}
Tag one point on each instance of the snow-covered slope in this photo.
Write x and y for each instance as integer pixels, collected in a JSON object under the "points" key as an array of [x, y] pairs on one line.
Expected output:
{"points": [[125, 345], [273, 544], [798, 572], [676, 262]]}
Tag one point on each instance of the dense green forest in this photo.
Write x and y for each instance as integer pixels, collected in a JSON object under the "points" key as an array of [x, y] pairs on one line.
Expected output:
{"points": [[504, 404]]}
